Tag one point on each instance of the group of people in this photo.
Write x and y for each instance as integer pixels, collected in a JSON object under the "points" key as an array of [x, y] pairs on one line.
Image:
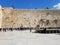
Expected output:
{"points": [[11, 29]]}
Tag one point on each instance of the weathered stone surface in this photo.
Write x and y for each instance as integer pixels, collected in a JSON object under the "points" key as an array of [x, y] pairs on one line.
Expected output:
{"points": [[29, 17]]}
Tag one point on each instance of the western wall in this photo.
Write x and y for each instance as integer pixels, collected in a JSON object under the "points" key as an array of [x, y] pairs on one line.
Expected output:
{"points": [[12, 18]]}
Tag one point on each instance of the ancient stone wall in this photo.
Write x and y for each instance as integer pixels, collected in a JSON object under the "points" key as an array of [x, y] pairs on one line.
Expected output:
{"points": [[0, 16], [7, 17], [29, 17]]}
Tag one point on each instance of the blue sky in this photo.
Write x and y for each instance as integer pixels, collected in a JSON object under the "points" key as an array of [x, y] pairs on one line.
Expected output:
{"points": [[30, 3]]}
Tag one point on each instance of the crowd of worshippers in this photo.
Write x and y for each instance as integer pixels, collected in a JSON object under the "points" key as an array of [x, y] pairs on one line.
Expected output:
{"points": [[11, 29], [39, 31]]}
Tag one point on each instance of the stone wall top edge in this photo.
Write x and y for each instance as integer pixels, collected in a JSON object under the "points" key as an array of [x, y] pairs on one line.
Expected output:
{"points": [[7, 8], [37, 9], [29, 9]]}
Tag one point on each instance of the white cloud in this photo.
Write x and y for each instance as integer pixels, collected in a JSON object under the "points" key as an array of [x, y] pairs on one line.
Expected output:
{"points": [[57, 6]]}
